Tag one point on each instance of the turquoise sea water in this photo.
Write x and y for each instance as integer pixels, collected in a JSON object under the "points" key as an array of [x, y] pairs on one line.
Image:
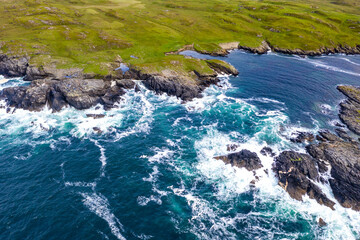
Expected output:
{"points": [[151, 174]]}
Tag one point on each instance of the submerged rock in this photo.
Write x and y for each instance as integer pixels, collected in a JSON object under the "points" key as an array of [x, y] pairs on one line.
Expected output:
{"points": [[95, 116], [243, 159], [231, 147], [296, 173]]}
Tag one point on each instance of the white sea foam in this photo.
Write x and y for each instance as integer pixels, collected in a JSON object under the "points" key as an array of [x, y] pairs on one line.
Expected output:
{"points": [[102, 156], [161, 157], [98, 204], [320, 64], [229, 182], [81, 184], [349, 61]]}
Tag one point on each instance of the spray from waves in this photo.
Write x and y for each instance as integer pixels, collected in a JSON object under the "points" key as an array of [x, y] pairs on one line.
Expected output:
{"points": [[94, 201], [11, 82]]}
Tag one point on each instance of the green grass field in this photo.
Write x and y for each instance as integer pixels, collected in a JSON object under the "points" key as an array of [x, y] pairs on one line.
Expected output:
{"points": [[92, 34]]}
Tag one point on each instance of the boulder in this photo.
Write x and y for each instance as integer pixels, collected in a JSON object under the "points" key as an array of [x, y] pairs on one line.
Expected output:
{"points": [[267, 151], [244, 158]]}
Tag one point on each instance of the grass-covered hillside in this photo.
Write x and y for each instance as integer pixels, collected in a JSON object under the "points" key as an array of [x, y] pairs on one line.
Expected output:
{"points": [[92, 34]]}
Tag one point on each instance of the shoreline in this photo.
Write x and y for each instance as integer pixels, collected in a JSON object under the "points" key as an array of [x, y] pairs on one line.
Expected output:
{"points": [[173, 85]]}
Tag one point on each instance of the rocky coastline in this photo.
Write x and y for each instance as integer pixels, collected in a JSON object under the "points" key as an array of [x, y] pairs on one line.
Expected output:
{"points": [[298, 173], [266, 47], [57, 88], [330, 158]]}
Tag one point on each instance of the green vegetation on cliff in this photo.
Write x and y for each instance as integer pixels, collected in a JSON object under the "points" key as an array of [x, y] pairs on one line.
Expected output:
{"points": [[96, 35]]}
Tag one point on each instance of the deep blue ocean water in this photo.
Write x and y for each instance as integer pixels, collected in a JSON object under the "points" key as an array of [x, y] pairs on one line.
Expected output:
{"points": [[151, 174]]}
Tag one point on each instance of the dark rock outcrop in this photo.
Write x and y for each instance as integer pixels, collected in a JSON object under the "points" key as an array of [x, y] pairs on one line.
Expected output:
{"points": [[320, 51], [302, 137], [222, 67], [297, 173], [173, 87], [262, 49], [78, 93], [350, 108], [322, 223], [244, 158], [344, 158], [343, 134], [13, 66], [267, 151]]}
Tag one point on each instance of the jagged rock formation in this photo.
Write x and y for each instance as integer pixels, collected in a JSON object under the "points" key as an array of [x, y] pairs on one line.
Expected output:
{"points": [[350, 108], [344, 158], [262, 49], [78, 93], [297, 173]]}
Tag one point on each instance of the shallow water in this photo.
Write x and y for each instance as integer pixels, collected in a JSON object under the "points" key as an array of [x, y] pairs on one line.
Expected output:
{"points": [[151, 174]]}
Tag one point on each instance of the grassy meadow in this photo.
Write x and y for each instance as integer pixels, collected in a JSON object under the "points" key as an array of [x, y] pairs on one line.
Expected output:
{"points": [[93, 34]]}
